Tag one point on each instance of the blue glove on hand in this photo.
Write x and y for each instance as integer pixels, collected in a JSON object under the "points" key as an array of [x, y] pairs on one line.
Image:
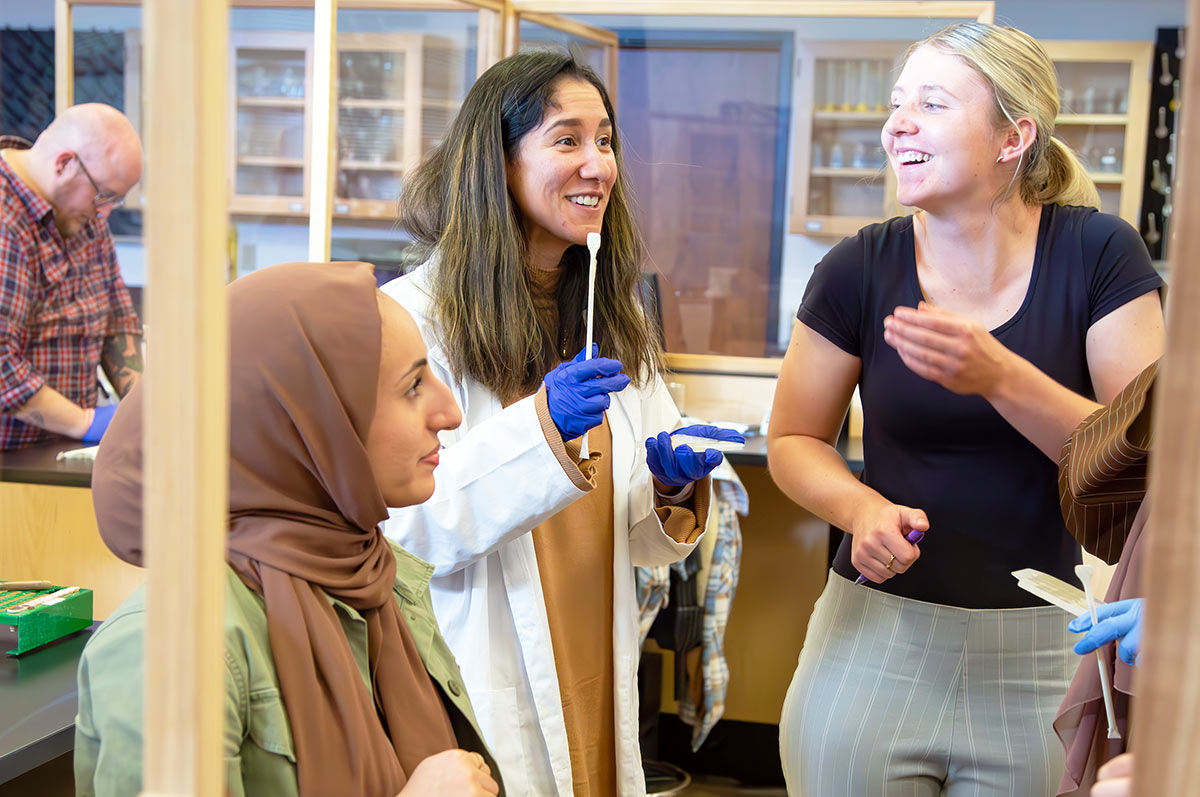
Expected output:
{"points": [[1121, 620], [675, 467], [577, 392], [100, 420]]}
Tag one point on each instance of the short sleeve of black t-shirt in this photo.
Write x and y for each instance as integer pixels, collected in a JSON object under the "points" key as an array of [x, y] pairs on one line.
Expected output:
{"points": [[990, 495]]}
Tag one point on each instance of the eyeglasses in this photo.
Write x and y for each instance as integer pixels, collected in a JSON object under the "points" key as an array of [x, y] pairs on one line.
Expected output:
{"points": [[102, 198]]}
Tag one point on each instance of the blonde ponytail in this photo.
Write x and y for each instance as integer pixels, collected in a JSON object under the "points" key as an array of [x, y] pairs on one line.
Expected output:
{"points": [[1058, 178]]}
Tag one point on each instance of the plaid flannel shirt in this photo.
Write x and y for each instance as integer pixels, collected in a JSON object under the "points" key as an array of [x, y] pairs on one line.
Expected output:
{"points": [[59, 299]]}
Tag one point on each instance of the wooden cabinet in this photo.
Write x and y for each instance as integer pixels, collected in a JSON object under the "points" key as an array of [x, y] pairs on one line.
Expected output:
{"points": [[1105, 93], [397, 93], [840, 178], [269, 86]]}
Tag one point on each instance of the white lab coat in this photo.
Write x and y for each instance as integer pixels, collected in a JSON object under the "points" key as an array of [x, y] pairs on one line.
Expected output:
{"points": [[497, 480]]}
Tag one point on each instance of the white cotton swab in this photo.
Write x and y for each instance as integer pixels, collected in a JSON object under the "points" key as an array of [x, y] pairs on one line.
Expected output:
{"points": [[593, 245], [1084, 574]]}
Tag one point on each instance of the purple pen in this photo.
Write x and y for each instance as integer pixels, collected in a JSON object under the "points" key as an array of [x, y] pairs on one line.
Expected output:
{"points": [[913, 537]]}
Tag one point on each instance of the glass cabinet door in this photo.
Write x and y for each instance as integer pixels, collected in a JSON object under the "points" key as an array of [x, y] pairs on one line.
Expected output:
{"points": [[844, 180], [397, 93], [270, 83], [373, 124], [1104, 107]]}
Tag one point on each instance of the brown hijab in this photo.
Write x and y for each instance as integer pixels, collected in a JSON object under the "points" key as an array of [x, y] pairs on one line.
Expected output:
{"points": [[304, 511]]}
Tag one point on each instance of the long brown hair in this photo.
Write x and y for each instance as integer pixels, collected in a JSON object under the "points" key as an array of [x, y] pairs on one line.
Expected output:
{"points": [[1023, 83], [457, 203]]}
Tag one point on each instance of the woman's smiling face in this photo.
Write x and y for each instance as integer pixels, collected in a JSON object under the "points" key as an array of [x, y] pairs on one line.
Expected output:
{"points": [[940, 138], [563, 173]]}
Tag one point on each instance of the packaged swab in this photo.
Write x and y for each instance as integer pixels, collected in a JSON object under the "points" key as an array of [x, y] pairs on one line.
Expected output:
{"points": [[1053, 590], [697, 443]]}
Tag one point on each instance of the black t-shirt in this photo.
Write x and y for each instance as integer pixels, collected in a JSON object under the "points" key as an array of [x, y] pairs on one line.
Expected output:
{"points": [[990, 495]]}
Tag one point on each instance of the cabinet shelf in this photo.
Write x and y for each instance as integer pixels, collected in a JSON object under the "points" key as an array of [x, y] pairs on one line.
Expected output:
{"points": [[271, 102], [270, 161], [364, 208], [850, 116], [847, 172], [371, 166], [835, 226], [248, 205], [1106, 178], [379, 105], [1094, 119]]}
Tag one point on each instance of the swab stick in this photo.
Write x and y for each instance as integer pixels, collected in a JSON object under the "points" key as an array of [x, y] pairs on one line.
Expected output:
{"points": [[593, 245], [1084, 573]]}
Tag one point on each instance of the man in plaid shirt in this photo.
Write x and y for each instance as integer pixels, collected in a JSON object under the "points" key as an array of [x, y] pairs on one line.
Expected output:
{"points": [[63, 305]]}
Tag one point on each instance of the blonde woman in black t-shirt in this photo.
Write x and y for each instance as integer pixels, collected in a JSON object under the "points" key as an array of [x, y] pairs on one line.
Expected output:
{"points": [[980, 330]]}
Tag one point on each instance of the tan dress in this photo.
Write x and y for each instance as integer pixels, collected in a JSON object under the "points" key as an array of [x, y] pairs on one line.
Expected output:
{"points": [[575, 563]]}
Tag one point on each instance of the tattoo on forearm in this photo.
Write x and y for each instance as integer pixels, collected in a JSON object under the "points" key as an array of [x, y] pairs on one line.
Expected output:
{"points": [[122, 361]]}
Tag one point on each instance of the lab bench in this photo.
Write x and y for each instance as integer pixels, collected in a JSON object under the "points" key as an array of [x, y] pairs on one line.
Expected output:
{"points": [[48, 527], [38, 701]]}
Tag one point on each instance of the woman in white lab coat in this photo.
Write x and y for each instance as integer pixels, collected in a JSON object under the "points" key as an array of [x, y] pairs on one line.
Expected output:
{"points": [[533, 547]]}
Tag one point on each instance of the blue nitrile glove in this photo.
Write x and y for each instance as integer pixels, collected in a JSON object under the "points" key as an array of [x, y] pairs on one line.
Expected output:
{"points": [[677, 466], [577, 392], [1121, 620], [100, 420]]}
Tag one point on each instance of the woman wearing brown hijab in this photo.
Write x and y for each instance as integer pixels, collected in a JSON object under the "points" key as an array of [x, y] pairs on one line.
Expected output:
{"points": [[338, 681]]}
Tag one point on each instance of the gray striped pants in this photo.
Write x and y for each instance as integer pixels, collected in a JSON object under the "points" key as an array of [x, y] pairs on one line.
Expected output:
{"points": [[895, 697]]}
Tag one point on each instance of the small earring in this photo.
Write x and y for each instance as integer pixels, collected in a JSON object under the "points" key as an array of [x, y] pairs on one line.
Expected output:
{"points": [[999, 158]]}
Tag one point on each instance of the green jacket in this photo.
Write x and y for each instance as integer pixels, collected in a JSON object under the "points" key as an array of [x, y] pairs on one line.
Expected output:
{"points": [[259, 757]]}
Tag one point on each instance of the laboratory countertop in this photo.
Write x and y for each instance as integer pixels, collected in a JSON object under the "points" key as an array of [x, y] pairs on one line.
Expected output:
{"points": [[755, 452], [39, 464], [38, 700]]}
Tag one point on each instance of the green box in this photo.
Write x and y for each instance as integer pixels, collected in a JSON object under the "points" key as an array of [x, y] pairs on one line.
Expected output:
{"points": [[39, 625]]}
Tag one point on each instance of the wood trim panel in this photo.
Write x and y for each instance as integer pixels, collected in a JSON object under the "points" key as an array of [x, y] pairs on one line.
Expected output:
{"points": [[1136, 131], [510, 25], [323, 129], [64, 57], [723, 364], [186, 412], [568, 25], [1166, 724], [489, 41]]}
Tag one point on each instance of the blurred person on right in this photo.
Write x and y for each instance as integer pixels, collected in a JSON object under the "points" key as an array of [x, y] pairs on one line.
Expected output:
{"points": [[1102, 481], [980, 330]]}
